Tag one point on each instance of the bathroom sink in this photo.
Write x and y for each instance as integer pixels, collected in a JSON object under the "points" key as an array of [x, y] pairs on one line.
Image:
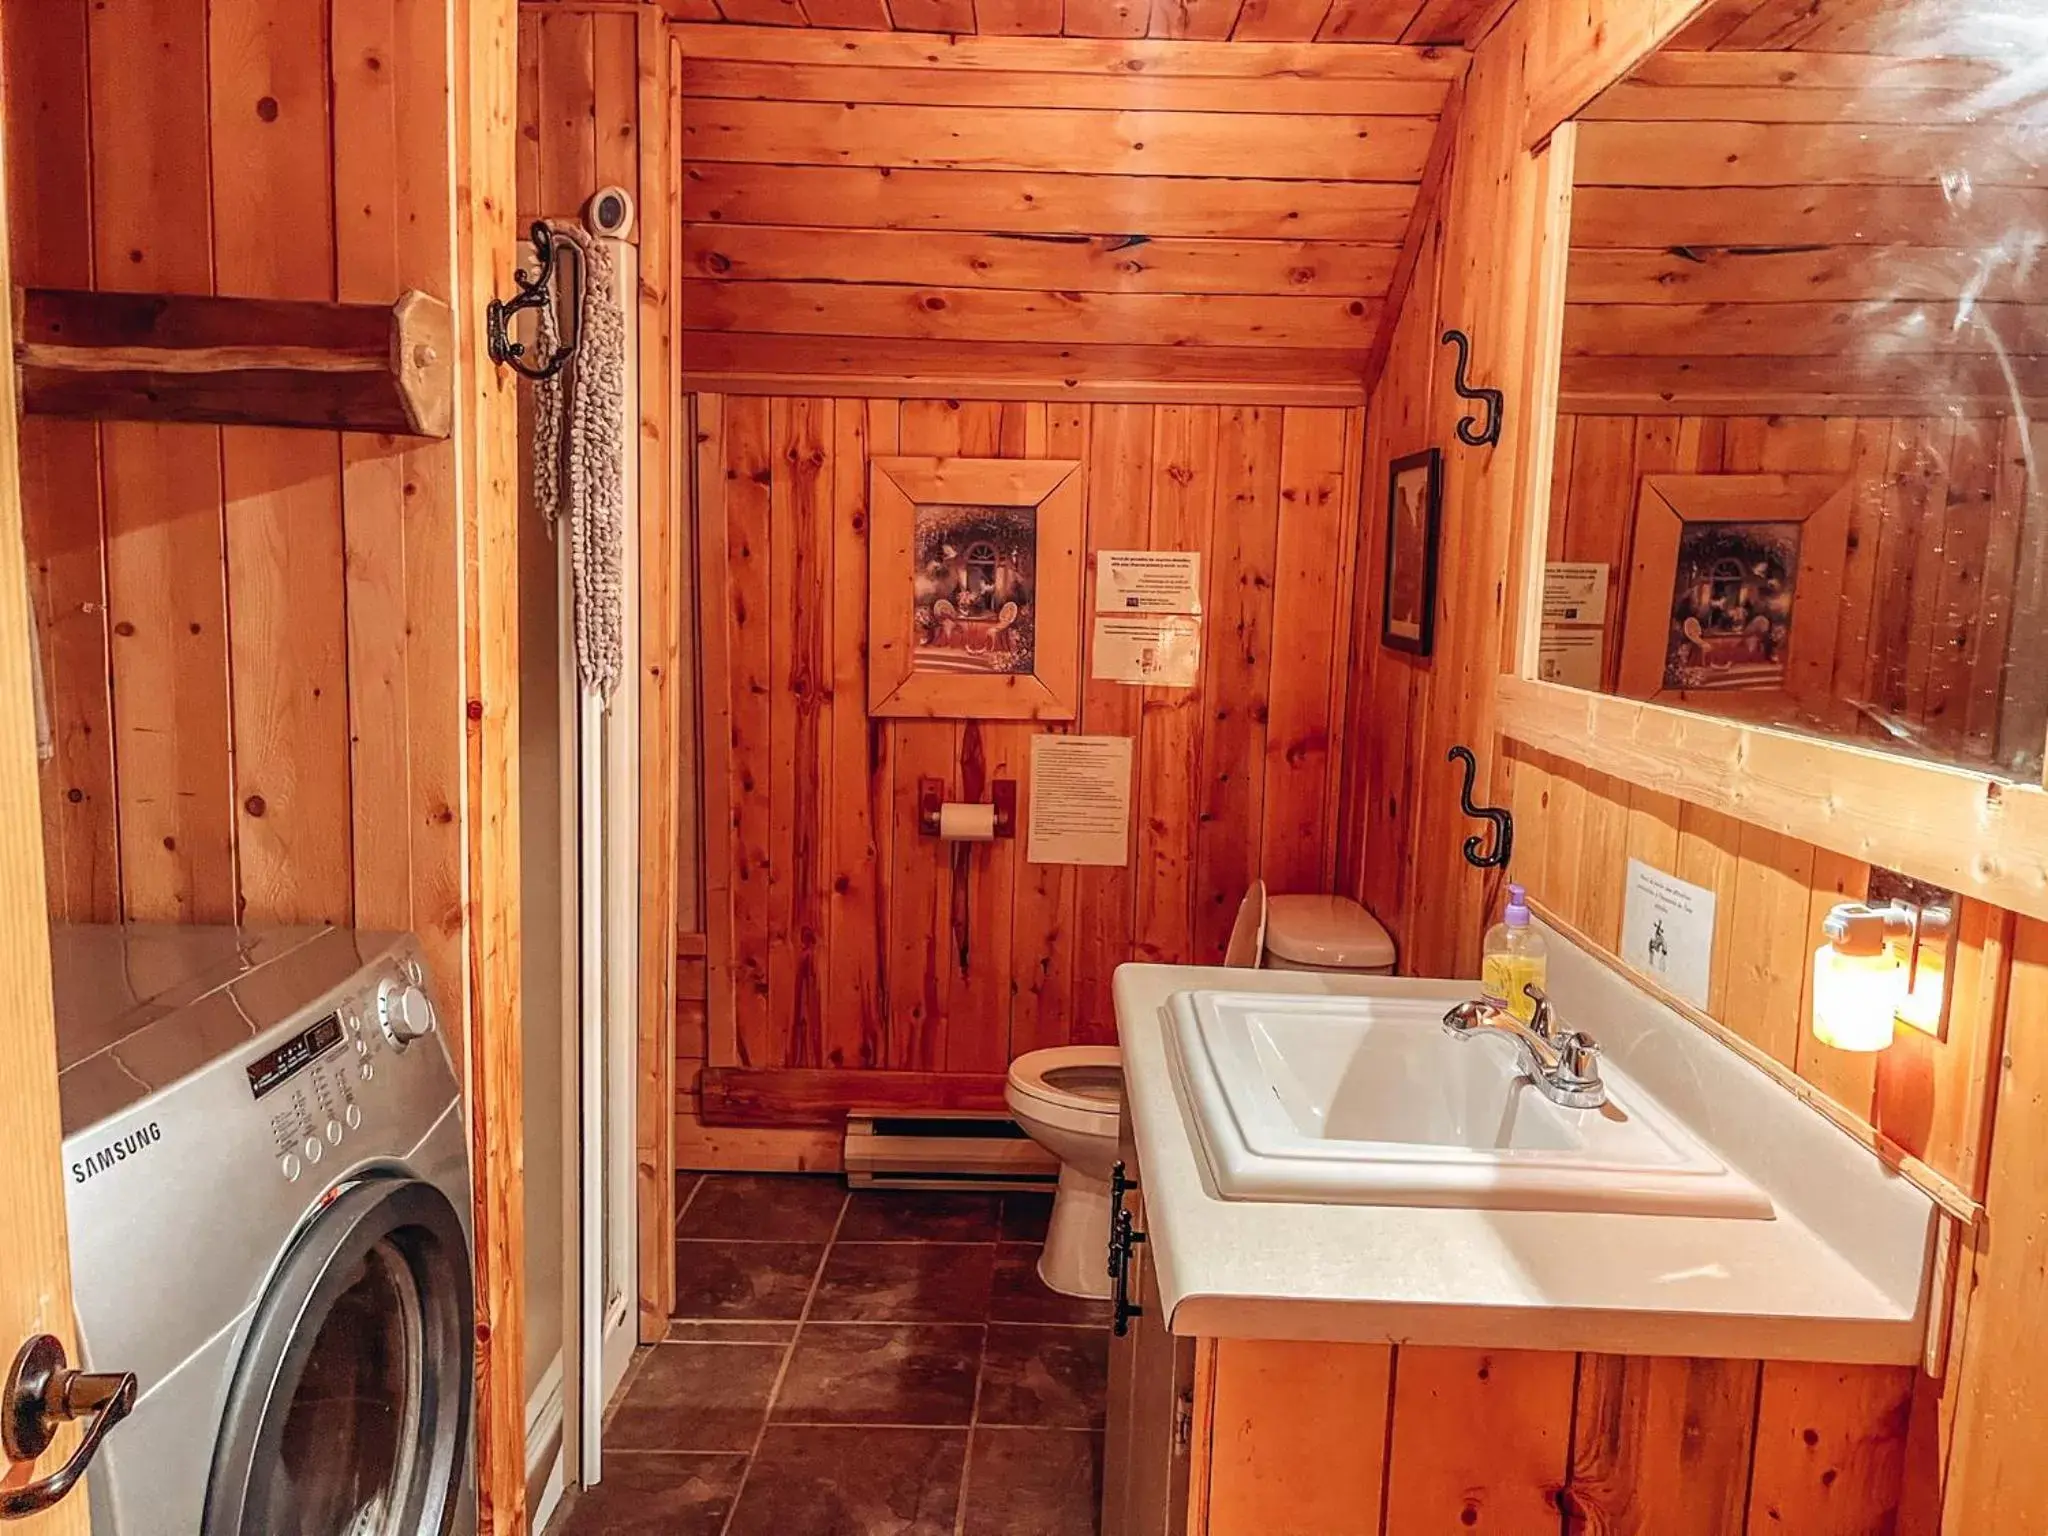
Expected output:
{"points": [[1369, 1101]]}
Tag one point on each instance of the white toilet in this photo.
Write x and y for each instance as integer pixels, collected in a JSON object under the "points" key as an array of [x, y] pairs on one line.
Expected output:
{"points": [[1070, 1099]]}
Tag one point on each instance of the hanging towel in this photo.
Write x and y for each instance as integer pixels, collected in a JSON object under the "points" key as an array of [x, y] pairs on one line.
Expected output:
{"points": [[579, 459]]}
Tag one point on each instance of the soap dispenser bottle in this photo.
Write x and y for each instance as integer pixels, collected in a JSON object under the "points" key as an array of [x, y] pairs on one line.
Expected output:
{"points": [[1514, 958]]}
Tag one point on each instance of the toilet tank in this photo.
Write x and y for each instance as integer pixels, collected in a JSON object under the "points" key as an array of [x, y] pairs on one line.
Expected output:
{"points": [[1326, 933]]}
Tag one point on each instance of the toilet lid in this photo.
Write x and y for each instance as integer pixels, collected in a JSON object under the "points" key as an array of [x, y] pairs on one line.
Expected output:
{"points": [[1087, 1077]]}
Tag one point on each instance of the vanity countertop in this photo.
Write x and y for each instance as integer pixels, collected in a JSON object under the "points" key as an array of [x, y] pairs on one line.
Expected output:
{"points": [[1840, 1274]]}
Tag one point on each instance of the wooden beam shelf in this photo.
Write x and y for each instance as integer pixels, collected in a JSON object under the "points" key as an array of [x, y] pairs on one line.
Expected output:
{"points": [[247, 362]]}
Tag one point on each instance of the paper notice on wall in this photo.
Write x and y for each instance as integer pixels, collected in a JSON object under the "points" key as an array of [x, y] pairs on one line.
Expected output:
{"points": [[1148, 581], [1080, 804], [1570, 656], [1667, 931], [1158, 653], [1574, 592]]}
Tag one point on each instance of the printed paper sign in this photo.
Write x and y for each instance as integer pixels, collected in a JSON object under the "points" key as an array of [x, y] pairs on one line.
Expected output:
{"points": [[1080, 805], [1159, 653], [1667, 931], [1570, 656], [1574, 592], [1148, 581]]}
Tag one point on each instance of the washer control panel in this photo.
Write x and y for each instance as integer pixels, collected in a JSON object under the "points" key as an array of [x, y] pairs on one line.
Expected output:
{"points": [[321, 1085]]}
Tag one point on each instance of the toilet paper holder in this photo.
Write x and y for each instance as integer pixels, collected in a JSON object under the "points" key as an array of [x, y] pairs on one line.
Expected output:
{"points": [[931, 796]]}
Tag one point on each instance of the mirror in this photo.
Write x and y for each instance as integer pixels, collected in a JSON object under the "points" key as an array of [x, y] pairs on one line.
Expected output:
{"points": [[1798, 475]]}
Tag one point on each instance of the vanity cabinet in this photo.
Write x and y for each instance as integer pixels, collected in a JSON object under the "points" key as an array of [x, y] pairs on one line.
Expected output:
{"points": [[1276, 1437]]}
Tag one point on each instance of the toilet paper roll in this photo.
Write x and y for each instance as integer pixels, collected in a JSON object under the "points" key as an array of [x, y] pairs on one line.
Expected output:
{"points": [[967, 823]]}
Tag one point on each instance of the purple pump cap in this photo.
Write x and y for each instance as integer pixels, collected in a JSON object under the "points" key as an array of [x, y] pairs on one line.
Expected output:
{"points": [[1518, 907]]}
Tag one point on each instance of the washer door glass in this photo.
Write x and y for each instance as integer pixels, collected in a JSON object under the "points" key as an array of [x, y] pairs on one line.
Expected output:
{"points": [[350, 1409]]}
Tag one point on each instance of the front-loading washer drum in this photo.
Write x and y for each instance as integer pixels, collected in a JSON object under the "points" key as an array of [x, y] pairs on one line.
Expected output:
{"points": [[349, 1413]]}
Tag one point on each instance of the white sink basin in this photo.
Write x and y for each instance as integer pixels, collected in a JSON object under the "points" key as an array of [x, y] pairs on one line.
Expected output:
{"points": [[1368, 1101]]}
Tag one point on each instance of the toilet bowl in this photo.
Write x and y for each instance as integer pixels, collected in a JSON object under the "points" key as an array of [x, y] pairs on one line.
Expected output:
{"points": [[1070, 1101]]}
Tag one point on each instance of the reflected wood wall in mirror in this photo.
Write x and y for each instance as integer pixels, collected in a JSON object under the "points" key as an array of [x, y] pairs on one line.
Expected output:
{"points": [[1817, 250]]}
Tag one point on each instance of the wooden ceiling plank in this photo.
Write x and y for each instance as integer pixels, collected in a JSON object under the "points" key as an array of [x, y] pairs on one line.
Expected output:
{"points": [[765, 13], [1191, 207], [1052, 140], [1712, 24], [1368, 21], [931, 15], [1113, 55], [1629, 102], [1805, 70], [1774, 25], [1762, 386], [1280, 21], [1107, 18], [1800, 154], [1019, 18], [1445, 23], [1078, 264], [1826, 215], [1723, 274], [771, 364], [748, 80], [1206, 19], [1428, 206], [1810, 330], [862, 15], [997, 315]]}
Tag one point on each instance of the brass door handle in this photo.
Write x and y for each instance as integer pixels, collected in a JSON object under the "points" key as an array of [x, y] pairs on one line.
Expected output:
{"points": [[41, 1394]]}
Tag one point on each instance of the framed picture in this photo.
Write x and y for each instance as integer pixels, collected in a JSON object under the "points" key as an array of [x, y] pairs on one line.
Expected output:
{"points": [[974, 588], [1415, 492], [1735, 592]]}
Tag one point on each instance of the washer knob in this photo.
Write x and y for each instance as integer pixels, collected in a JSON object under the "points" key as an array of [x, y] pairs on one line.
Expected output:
{"points": [[405, 1010]]}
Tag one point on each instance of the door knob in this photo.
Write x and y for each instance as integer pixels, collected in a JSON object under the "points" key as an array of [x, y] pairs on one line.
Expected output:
{"points": [[41, 1394]]}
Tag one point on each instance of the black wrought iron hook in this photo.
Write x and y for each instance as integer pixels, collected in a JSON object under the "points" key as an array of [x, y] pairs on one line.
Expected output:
{"points": [[1470, 433], [1503, 821], [535, 292]]}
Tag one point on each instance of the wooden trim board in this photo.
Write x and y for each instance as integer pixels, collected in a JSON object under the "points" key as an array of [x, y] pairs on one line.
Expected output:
{"points": [[807, 1096]]}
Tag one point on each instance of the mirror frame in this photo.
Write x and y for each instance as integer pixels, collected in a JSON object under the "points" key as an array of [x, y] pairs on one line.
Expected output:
{"points": [[1969, 832]]}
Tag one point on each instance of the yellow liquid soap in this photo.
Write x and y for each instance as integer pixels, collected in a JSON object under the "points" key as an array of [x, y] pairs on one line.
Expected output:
{"points": [[1514, 959]]}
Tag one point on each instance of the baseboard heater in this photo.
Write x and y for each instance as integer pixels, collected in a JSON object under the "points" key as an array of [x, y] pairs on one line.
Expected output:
{"points": [[944, 1151]]}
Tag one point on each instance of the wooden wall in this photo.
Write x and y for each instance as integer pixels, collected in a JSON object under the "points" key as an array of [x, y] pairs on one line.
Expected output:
{"points": [[839, 938], [256, 694], [1253, 21], [1025, 218], [1933, 563]]}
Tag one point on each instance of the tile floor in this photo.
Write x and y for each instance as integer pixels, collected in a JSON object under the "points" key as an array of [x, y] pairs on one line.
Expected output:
{"points": [[864, 1364]]}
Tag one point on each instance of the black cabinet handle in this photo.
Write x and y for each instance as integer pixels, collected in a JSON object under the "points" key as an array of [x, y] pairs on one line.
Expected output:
{"points": [[1123, 1237]]}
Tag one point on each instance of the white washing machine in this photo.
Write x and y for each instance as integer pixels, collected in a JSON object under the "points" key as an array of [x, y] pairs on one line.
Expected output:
{"points": [[268, 1182]]}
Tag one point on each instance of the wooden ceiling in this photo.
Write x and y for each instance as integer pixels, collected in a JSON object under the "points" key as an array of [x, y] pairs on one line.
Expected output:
{"points": [[1414, 22], [1909, 28], [1797, 233]]}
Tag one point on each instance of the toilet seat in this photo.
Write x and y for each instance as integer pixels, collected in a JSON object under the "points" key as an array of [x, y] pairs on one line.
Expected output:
{"points": [[1074, 1087]]}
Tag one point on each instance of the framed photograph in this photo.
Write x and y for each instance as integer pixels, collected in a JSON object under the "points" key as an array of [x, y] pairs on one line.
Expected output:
{"points": [[1735, 592], [1415, 491], [974, 588]]}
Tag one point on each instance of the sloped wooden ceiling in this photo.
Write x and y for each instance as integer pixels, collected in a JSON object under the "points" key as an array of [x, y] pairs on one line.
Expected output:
{"points": [[1014, 217], [1759, 232], [1452, 22]]}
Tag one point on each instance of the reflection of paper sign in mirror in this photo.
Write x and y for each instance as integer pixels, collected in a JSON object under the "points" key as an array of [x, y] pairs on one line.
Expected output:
{"points": [[974, 588], [1414, 520], [1731, 605], [1734, 594], [972, 578]]}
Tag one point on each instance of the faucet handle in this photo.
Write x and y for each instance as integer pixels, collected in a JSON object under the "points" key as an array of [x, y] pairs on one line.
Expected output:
{"points": [[1578, 1057], [1544, 1020]]}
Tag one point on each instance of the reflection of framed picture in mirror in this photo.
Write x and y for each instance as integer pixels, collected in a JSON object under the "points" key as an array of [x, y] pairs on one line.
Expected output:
{"points": [[974, 588], [1735, 593], [1414, 520]]}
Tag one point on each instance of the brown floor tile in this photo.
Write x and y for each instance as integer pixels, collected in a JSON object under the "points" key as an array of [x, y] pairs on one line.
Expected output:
{"points": [[744, 1280], [1025, 1217], [905, 1283], [918, 1215], [696, 1397], [787, 1208], [861, 1373], [1047, 1482], [854, 1482], [1050, 1378], [685, 1331], [648, 1495], [1019, 1296]]}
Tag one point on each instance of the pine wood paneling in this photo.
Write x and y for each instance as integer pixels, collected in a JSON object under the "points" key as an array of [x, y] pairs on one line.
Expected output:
{"points": [[1104, 212], [944, 959]]}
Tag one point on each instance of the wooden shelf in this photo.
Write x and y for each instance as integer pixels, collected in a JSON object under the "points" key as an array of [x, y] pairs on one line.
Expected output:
{"points": [[253, 362]]}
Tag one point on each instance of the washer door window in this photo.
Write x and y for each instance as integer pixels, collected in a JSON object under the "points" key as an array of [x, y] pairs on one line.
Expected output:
{"points": [[349, 1414]]}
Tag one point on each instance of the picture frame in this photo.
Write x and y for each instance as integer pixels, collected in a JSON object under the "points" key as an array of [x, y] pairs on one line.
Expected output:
{"points": [[1415, 493], [1735, 593], [974, 588]]}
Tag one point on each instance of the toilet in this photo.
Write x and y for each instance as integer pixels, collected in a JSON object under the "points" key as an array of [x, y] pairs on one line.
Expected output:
{"points": [[1069, 1099]]}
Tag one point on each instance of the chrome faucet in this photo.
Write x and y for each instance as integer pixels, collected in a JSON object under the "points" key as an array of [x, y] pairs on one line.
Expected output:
{"points": [[1564, 1064]]}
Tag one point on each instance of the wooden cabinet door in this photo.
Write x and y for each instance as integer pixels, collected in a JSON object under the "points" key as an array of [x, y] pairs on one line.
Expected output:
{"points": [[35, 1266], [1151, 1398]]}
